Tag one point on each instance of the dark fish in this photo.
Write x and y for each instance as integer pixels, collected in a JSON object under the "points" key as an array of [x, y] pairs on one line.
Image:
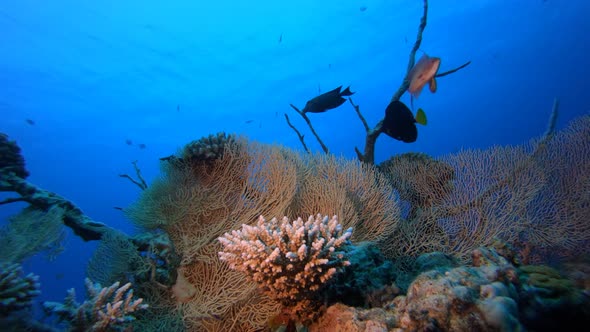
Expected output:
{"points": [[327, 101], [280, 38], [128, 142], [249, 121], [31, 122], [177, 108], [399, 122], [363, 8], [141, 146]]}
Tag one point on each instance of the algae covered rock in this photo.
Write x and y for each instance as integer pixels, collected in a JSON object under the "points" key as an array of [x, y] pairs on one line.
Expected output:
{"points": [[549, 301], [481, 297]]}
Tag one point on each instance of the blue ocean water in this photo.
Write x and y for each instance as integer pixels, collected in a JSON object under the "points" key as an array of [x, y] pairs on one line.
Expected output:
{"points": [[91, 75]]}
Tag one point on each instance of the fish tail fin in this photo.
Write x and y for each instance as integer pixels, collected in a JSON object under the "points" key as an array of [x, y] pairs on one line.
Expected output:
{"points": [[432, 85], [421, 117], [346, 92]]}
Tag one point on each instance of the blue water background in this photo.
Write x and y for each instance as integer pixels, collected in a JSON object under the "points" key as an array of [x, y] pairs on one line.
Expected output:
{"points": [[93, 74]]}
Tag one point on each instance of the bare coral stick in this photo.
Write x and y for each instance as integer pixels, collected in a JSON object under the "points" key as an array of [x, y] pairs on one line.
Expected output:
{"points": [[324, 147]]}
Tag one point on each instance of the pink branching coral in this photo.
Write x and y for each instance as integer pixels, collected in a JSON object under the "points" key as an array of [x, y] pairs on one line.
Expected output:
{"points": [[106, 309], [291, 261]]}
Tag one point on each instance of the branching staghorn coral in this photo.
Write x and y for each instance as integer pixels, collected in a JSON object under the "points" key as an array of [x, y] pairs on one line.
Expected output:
{"points": [[16, 291], [290, 261], [106, 309]]}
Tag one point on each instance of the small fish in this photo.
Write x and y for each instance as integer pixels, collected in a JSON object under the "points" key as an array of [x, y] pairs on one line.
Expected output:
{"points": [[249, 121], [280, 38], [399, 122], [423, 73], [128, 142], [177, 108], [30, 122], [59, 276], [363, 8], [327, 101], [141, 146]]}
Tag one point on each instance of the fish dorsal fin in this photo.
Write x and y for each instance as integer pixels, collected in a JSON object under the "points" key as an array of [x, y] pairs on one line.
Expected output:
{"points": [[421, 117]]}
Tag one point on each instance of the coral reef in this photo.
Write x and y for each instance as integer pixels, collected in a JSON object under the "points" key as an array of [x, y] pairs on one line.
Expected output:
{"points": [[534, 194], [366, 281], [462, 299], [11, 159], [290, 261], [16, 291], [342, 318], [105, 309], [490, 294], [196, 205]]}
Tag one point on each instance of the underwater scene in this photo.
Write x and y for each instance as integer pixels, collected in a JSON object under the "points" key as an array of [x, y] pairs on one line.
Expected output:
{"points": [[282, 166]]}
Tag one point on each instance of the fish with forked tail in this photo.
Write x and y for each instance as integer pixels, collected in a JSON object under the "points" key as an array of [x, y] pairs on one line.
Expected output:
{"points": [[400, 123], [327, 101]]}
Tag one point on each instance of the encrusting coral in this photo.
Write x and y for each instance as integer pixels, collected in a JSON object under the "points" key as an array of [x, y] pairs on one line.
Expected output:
{"points": [[208, 148], [16, 291], [291, 261], [106, 309]]}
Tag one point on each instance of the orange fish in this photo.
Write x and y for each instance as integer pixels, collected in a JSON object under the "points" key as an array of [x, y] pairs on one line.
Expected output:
{"points": [[423, 72]]}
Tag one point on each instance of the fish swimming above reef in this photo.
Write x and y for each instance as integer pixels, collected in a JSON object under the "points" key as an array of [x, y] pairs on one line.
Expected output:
{"points": [[423, 72], [327, 101], [400, 123]]}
